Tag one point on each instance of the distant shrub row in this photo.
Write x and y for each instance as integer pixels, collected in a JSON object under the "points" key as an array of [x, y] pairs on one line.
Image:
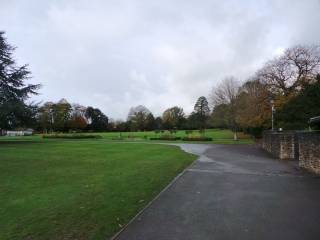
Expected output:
{"points": [[197, 139], [72, 136], [183, 139], [166, 138]]}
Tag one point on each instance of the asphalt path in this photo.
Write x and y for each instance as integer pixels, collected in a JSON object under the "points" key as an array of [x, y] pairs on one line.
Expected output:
{"points": [[232, 192]]}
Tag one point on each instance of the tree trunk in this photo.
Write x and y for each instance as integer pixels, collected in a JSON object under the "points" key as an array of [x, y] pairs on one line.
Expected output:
{"points": [[235, 136]]}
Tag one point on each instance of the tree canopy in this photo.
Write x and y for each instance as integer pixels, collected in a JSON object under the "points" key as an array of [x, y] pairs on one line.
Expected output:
{"points": [[14, 91], [202, 111], [295, 114], [173, 118]]}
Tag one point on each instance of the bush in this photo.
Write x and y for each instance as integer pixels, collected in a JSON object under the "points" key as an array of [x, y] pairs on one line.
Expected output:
{"points": [[197, 139], [172, 131], [117, 138], [71, 136], [189, 132], [166, 138], [254, 131]]}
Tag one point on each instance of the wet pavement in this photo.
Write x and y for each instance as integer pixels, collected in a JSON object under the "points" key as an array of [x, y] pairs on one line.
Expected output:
{"points": [[233, 192]]}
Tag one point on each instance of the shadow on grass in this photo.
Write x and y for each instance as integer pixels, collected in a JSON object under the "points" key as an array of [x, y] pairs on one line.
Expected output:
{"points": [[14, 141]]}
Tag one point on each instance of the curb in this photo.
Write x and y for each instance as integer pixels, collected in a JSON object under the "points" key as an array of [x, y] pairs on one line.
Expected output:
{"points": [[156, 197]]}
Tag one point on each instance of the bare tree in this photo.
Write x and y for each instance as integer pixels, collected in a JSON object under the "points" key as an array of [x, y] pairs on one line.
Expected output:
{"points": [[292, 71], [226, 93], [253, 105], [134, 110]]}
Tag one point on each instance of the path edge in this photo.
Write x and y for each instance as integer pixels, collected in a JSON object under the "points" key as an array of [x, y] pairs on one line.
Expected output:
{"points": [[114, 237]]}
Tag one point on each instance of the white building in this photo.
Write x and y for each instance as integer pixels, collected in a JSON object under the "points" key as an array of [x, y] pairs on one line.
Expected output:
{"points": [[27, 132]]}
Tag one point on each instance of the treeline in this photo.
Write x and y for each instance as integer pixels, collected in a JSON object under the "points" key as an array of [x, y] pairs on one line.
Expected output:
{"points": [[141, 119], [64, 117], [16, 112], [287, 86]]}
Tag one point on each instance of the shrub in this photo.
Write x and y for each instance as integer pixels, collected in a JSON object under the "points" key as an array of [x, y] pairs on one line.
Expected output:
{"points": [[189, 132], [117, 138], [71, 136], [166, 138], [197, 139]]}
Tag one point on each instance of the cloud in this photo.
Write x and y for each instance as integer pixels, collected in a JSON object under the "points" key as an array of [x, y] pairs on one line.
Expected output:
{"points": [[117, 54]]}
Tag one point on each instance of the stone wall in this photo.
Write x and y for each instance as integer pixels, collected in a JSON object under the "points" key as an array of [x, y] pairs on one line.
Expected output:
{"points": [[280, 144], [309, 151], [300, 145]]}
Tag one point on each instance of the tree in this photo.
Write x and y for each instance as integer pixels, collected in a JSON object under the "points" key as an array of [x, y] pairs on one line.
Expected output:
{"points": [[253, 107], [78, 110], [134, 110], [219, 116], [150, 122], [77, 123], [14, 91], [61, 114], [295, 114], [202, 111], [78, 120], [227, 93], [193, 121], [173, 118], [158, 123], [96, 119], [118, 125], [139, 121], [137, 118], [293, 71], [56, 116], [45, 117]]}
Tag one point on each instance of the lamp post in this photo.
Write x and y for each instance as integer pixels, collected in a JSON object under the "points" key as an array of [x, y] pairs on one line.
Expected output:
{"points": [[272, 112]]}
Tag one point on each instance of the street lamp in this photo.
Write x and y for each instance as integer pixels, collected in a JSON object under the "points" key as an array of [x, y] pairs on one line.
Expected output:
{"points": [[272, 113]]}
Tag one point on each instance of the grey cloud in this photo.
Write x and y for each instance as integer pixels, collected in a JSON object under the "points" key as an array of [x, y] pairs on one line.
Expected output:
{"points": [[118, 54]]}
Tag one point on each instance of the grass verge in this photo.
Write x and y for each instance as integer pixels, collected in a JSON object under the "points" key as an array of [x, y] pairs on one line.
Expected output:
{"points": [[88, 189]]}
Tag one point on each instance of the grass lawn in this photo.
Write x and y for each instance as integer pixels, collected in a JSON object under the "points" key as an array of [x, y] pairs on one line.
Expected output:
{"points": [[83, 189], [214, 133], [219, 136]]}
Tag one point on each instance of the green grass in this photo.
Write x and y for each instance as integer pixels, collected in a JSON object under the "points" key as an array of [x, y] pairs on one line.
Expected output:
{"points": [[72, 136], [79, 189], [214, 133], [218, 136]]}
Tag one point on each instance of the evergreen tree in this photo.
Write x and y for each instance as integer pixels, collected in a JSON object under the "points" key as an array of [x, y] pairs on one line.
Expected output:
{"points": [[14, 112], [97, 120], [202, 110], [295, 114], [150, 122]]}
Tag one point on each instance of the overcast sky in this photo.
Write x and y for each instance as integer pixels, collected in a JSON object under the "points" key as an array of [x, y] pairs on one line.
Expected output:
{"points": [[115, 54]]}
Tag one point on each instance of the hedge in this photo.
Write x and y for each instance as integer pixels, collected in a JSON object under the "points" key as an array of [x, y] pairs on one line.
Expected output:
{"points": [[72, 136], [197, 139], [166, 138]]}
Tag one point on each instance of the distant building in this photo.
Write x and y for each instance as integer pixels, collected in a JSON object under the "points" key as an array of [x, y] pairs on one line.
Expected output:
{"points": [[26, 132], [137, 109]]}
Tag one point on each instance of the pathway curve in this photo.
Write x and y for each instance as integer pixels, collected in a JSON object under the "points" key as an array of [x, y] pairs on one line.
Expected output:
{"points": [[232, 192]]}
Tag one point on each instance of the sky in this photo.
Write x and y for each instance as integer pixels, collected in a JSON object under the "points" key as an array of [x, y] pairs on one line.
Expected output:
{"points": [[115, 54]]}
